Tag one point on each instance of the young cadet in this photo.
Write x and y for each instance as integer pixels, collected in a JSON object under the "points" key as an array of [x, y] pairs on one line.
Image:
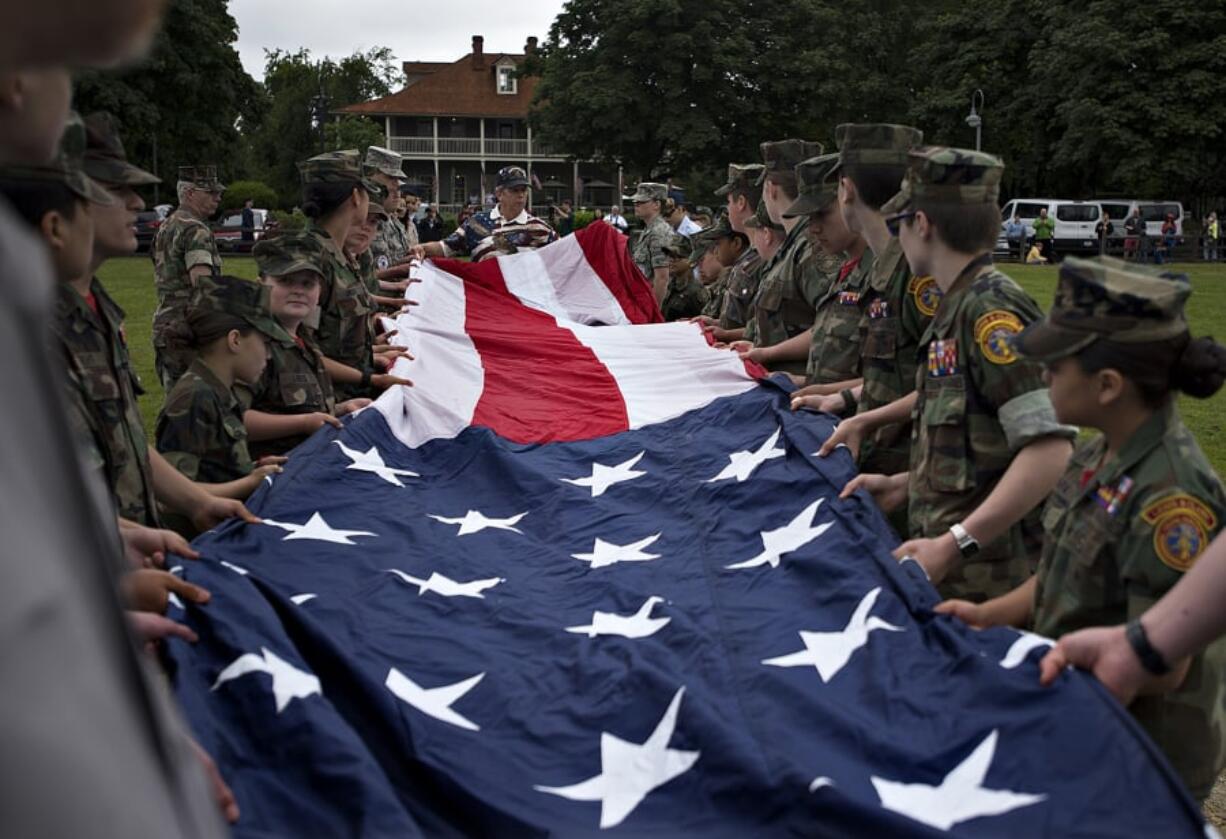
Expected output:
{"points": [[200, 429], [897, 303], [832, 344], [712, 272], [986, 446], [648, 249], [794, 279], [183, 252], [386, 168], [293, 398], [685, 295], [1139, 503], [743, 195]]}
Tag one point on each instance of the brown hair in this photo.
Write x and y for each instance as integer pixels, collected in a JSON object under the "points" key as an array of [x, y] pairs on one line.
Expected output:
{"points": [[751, 194], [875, 185], [786, 181], [1196, 367], [967, 228]]}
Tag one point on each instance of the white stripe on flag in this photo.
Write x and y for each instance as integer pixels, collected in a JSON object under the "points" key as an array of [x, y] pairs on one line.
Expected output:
{"points": [[559, 281]]}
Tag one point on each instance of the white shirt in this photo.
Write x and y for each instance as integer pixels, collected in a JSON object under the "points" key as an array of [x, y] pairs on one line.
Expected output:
{"points": [[616, 220], [688, 226]]}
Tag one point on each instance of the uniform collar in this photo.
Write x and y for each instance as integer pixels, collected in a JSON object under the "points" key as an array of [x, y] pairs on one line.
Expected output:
{"points": [[1143, 441], [522, 218], [207, 376], [886, 265]]}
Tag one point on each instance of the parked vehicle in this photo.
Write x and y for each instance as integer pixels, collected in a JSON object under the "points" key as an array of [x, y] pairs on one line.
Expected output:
{"points": [[229, 233], [1155, 213], [1119, 209], [147, 224], [1075, 222]]}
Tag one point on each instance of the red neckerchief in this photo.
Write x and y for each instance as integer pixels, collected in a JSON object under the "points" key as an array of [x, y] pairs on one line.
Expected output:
{"points": [[92, 302], [847, 268]]}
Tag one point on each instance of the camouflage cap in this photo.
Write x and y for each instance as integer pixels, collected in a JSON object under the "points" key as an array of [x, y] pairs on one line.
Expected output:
{"points": [[1110, 299], [741, 176], [337, 167], [719, 229], [67, 167], [949, 176], [785, 155], [648, 192], [286, 253], [678, 247], [105, 159], [385, 162], [876, 143], [816, 187], [377, 210], [201, 177], [235, 298], [761, 219]]}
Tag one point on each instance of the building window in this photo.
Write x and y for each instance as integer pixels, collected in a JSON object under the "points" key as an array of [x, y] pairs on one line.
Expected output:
{"points": [[507, 83]]}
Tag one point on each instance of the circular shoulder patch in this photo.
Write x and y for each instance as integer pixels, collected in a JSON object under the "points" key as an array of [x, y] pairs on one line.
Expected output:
{"points": [[382, 262], [1182, 524], [992, 334], [927, 294]]}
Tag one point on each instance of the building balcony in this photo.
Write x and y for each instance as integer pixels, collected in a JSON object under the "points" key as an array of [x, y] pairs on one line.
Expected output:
{"points": [[471, 147]]}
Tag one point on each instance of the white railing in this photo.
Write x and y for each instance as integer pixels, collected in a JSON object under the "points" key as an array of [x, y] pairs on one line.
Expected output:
{"points": [[469, 147]]}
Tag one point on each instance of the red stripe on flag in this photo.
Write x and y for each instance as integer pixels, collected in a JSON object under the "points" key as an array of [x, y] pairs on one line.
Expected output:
{"points": [[605, 250], [541, 384]]}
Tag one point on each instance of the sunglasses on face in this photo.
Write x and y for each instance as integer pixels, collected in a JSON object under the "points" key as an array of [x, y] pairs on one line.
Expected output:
{"points": [[893, 223]]}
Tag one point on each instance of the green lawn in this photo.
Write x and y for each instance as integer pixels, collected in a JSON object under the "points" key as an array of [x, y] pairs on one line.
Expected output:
{"points": [[131, 283]]}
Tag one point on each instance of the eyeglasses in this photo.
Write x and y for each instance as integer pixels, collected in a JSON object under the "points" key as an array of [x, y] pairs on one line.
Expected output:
{"points": [[894, 222]]}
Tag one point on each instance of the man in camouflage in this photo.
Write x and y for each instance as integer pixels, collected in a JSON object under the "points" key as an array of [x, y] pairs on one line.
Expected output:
{"points": [[391, 245], [745, 275], [183, 252], [986, 446], [685, 295], [102, 383], [711, 271], [1132, 514], [648, 249], [794, 279]]}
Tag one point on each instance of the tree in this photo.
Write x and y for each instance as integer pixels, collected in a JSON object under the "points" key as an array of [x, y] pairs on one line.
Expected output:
{"points": [[181, 105], [290, 129]]}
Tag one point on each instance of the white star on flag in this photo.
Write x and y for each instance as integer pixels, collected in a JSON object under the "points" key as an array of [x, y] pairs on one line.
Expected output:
{"points": [[288, 682], [371, 461], [474, 522], [1022, 647], [434, 702], [447, 587], [794, 535], [639, 625], [603, 477], [606, 553], [961, 796], [629, 771], [829, 652], [742, 464], [318, 530]]}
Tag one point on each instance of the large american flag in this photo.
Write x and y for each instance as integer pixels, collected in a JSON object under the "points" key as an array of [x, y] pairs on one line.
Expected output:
{"points": [[588, 577]]}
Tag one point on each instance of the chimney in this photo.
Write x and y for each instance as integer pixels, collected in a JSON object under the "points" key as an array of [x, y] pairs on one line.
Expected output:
{"points": [[478, 52], [530, 47]]}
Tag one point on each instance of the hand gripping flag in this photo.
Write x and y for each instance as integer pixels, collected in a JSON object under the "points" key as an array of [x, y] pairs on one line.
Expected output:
{"points": [[587, 578]]}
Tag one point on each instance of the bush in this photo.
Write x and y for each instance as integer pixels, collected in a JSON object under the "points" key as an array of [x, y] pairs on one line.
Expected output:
{"points": [[583, 218], [289, 221], [449, 225], [264, 196]]}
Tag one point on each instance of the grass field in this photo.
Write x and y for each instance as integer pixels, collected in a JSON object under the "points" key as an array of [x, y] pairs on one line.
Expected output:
{"points": [[130, 281]]}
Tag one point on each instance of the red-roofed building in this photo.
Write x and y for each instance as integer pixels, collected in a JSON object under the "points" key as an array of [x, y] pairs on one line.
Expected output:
{"points": [[457, 123]]}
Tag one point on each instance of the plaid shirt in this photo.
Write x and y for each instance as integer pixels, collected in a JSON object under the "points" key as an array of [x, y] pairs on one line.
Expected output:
{"points": [[488, 233]]}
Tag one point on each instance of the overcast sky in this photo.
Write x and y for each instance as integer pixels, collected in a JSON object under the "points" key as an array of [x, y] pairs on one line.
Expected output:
{"points": [[415, 30]]}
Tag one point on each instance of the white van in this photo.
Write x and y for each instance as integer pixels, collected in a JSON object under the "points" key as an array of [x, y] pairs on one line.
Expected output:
{"points": [[1118, 209], [1075, 222], [1155, 213]]}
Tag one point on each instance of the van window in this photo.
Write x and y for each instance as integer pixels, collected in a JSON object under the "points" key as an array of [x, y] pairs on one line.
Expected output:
{"points": [[1115, 210], [1029, 210], [1006, 212], [1157, 212], [1077, 212]]}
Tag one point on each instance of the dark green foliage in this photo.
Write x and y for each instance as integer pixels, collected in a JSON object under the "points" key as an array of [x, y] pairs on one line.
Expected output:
{"points": [[264, 196]]}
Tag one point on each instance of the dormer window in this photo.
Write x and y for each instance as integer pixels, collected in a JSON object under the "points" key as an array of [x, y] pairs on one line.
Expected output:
{"points": [[507, 83]]}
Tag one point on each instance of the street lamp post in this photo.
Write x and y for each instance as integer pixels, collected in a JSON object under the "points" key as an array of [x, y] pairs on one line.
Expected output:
{"points": [[975, 120]]}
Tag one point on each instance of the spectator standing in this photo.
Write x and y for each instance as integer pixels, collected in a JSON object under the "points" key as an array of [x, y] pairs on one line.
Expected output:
{"points": [[1212, 233], [1015, 235], [248, 234], [1166, 245], [1134, 232], [564, 219], [1044, 235], [616, 220], [680, 220], [1104, 230], [430, 228]]}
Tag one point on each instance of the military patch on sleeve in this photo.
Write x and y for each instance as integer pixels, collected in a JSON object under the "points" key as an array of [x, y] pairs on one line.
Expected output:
{"points": [[992, 333], [927, 294], [1182, 524], [382, 262]]}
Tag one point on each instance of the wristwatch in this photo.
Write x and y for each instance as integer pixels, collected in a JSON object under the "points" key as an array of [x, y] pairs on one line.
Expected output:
{"points": [[968, 545], [1151, 659]]}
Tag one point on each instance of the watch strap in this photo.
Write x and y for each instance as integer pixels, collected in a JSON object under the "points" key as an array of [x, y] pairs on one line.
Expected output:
{"points": [[1151, 659]]}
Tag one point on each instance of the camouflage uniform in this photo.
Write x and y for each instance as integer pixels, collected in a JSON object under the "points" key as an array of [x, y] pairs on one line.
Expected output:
{"points": [[294, 380], [717, 295], [685, 296], [796, 277], [1120, 533], [745, 177], [979, 404], [742, 287], [101, 384], [391, 244], [703, 241], [183, 242], [648, 248], [897, 305], [345, 330], [200, 430]]}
